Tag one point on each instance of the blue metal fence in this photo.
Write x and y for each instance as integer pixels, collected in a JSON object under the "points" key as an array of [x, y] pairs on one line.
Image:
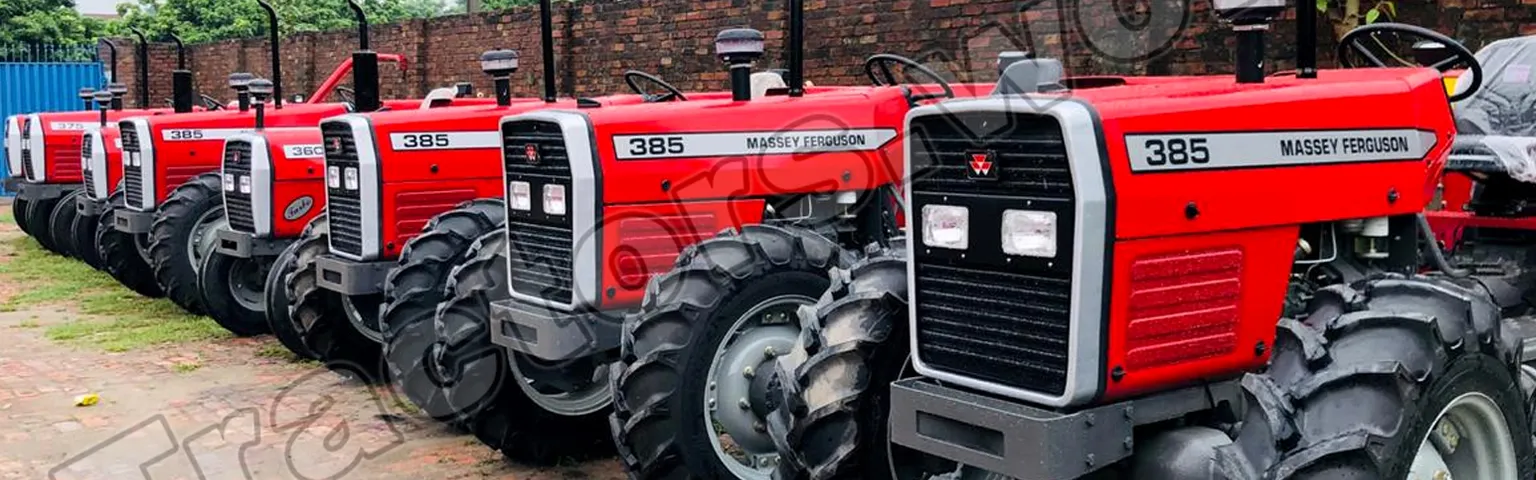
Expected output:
{"points": [[50, 82]]}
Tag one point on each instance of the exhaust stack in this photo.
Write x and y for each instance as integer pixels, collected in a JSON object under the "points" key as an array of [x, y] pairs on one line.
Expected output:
{"points": [[181, 79], [796, 48], [143, 61], [117, 90], [739, 48], [112, 49], [241, 83], [365, 66], [547, 30], [261, 90], [277, 57], [103, 102], [500, 65], [1250, 19]]}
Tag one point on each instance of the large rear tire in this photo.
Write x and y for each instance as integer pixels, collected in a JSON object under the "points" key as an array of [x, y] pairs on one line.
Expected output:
{"points": [[320, 319], [686, 375], [19, 215], [39, 214], [412, 293], [1358, 388], [84, 233], [182, 234], [232, 294], [61, 224], [282, 325], [478, 379], [120, 252]]}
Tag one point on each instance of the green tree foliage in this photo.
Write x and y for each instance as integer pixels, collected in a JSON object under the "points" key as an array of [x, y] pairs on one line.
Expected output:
{"points": [[506, 4], [209, 20], [24, 22]]}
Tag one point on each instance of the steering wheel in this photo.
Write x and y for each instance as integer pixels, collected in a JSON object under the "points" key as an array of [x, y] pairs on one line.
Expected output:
{"points": [[634, 77], [1362, 38], [883, 62], [211, 104]]}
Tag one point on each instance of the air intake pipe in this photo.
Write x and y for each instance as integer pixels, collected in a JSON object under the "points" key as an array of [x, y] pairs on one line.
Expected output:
{"points": [[365, 66], [500, 65], [739, 48], [277, 56], [181, 79]]}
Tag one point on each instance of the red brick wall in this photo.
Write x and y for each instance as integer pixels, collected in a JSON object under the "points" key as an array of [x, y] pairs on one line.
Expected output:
{"points": [[597, 40]]}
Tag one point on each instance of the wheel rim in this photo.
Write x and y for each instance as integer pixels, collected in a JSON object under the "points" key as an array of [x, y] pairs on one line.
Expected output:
{"points": [[201, 241], [588, 398], [1468, 440], [363, 312], [246, 279], [734, 404]]}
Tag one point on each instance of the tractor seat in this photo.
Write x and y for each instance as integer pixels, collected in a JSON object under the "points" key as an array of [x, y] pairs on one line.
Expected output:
{"points": [[765, 83], [441, 97]]}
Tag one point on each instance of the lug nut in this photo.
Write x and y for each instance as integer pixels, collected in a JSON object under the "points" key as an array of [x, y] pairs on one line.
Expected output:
{"points": [[770, 352], [744, 404], [749, 372]]}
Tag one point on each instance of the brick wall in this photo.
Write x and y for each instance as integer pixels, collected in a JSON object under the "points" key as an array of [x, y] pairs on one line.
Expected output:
{"points": [[596, 41]]}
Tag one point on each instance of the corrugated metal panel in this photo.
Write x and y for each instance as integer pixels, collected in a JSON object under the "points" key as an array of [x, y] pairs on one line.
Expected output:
{"points": [[27, 87]]}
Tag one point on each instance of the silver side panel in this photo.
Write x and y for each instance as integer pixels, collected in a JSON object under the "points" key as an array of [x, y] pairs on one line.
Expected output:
{"points": [[583, 200], [13, 144], [1085, 354], [369, 184], [39, 155], [97, 164]]}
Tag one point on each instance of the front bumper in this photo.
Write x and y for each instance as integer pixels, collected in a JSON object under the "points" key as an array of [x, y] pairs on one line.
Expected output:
{"points": [[553, 335], [248, 245], [129, 221], [32, 192], [1022, 441], [352, 278], [11, 183], [87, 207]]}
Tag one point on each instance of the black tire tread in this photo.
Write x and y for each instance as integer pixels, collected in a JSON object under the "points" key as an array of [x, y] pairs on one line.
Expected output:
{"points": [[220, 303], [167, 239], [39, 215], [119, 253], [61, 224], [84, 233], [19, 215], [317, 316], [278, 320]]}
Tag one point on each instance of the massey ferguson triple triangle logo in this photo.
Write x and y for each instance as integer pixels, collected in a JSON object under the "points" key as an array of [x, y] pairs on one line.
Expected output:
{"points": [[983, 165], [337, 144], [531, 151]]}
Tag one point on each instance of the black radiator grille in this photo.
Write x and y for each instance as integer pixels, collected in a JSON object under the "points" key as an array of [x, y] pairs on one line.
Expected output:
{"points": [[539, 244], [87, 167], [345, 206], [238, 203], [987, 315], [133, 178]]}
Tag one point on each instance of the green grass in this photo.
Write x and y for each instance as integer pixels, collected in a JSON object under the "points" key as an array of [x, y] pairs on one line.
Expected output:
{"points": [[122, 320], [28, 323], [186, 367], [5, 215]]}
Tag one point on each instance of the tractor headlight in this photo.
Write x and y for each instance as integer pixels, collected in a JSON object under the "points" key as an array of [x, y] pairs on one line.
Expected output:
{"points": [[333, 177], [1029, 233], [229, 182], [245, 184], [554, 199], [946, 226], [521, 196], [349, 178]]}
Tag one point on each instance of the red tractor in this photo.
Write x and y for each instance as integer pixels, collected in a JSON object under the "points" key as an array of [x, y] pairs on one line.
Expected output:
{"points": [[45, 156], [1089, 290], [171, 181], [407, 193]]}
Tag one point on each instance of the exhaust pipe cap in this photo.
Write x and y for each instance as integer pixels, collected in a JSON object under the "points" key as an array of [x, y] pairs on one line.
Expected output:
{"points": [[499, 62]]}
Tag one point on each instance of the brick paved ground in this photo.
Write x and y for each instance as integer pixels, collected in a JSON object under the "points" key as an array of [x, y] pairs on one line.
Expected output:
{"points": [[215, 410]]}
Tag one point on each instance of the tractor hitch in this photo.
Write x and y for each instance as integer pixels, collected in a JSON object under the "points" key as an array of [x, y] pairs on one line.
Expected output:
{"points": [[1023, 441], [128, 221], [552, 335], [352, 278], [248, 245]]}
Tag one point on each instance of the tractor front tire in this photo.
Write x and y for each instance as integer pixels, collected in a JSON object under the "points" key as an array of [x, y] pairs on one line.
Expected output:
{"points": [[19, 215], [279, 322], [833, 415], [232, 295], [412, 293], [688, 317], [177, 238], [120, 252], [39, 214], [61, 224], [83, 232], [1356, 388], [320, 319], [478, 380]]}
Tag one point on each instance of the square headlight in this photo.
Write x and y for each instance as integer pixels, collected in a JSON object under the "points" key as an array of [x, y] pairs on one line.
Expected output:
{"points": [[946, 226], [245, 184], [1029, 233], [349, 178], [333, 177], [521, 196], [554, 199], [229, 182]]}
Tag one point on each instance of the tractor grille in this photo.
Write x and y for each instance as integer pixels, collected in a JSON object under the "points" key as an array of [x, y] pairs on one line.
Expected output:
{"points": [[237, 202], [987, 315], [133, 178], [27, 170], [345, 205], [87, 174], [539, 245]]}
